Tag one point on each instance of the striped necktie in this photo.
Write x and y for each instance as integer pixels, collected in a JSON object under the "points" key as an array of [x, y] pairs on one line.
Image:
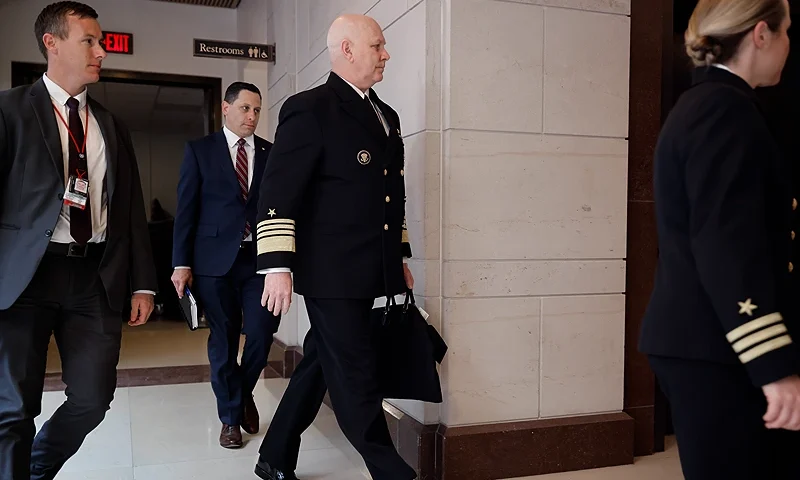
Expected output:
{"points": [[241, 174]]}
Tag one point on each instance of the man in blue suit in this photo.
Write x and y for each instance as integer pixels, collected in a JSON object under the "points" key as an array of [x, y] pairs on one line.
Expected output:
{"points": [[214, 254]]}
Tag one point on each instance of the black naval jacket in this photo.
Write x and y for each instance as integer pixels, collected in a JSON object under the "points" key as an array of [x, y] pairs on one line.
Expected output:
{"points": [[724, 213], [332, 199]]}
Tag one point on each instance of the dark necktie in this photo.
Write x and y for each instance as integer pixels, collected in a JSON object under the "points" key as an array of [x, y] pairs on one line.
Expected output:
{"points": [[374, 108], [241, 175], [80, 221]]}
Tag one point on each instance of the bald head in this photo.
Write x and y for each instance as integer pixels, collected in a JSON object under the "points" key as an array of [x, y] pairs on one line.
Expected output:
{"points": [[357, 49], [348, 27]]}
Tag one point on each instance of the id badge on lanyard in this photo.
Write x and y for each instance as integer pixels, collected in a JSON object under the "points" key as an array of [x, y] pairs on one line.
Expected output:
{"points": [[77, 194]]}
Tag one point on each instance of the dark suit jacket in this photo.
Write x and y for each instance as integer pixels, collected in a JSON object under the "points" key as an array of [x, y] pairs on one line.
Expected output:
{"points": [[31, 187], [211, 213], [332, 204], [724, 213]]}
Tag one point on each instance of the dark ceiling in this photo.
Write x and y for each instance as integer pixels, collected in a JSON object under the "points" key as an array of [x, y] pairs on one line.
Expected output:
{"points": [[207, 3]]}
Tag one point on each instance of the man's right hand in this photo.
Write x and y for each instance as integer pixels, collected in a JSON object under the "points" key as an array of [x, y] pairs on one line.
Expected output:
{"points": [[277, 292], [783, 403], [180, 278]]}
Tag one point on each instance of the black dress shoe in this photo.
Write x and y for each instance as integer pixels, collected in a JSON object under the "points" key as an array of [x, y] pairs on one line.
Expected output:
{"points": [[251, 420], [263, 470]]}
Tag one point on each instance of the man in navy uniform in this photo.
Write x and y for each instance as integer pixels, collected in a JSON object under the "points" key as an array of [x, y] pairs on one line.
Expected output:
{"points": [[214, 254], [332, 212]]}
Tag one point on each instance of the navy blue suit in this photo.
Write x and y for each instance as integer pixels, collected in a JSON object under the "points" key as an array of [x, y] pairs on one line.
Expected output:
{"points": [[209, 239]]}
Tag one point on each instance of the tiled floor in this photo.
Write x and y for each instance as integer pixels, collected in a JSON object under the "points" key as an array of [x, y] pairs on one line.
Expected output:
{"points": [[170, 433]]}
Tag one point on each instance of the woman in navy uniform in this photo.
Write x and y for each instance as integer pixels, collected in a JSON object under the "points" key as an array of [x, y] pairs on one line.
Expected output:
{"points": [[721, 327]]}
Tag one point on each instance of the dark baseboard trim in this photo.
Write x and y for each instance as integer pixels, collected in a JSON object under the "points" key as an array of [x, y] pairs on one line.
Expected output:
{"points": [[415, 441], [289, 356], [510, 450], [647, 441], [146, 377], [536, 447]]}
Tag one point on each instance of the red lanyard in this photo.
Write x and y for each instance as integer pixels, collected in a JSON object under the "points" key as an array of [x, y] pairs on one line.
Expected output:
{"points": [[81, 149]]}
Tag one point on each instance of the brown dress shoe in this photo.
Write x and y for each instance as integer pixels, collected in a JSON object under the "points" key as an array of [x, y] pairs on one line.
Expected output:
{"points": [[250, 421], [230, 436]]}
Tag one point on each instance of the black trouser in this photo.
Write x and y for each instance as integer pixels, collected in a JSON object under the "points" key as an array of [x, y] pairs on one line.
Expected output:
{"points": [[717, 414], [65, 297], [338, 356], [225, 301]]}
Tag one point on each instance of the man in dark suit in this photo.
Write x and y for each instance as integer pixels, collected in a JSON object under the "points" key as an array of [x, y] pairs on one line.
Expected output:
{"points": [[332, 211], [73, 246], [214, 253]]}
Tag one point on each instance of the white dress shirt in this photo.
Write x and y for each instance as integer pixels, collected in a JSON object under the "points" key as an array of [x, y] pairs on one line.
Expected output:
{"points": [[232, 141], [250, 149], [724, 67], [95, 159], [96, 162]]}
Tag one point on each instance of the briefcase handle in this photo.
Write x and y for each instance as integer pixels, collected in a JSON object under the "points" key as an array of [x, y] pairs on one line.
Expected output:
{"points": [[409, 296], [390, 302]]}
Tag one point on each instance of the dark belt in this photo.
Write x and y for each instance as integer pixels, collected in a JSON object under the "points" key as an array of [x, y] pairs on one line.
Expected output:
{"points": [[76, 250]]}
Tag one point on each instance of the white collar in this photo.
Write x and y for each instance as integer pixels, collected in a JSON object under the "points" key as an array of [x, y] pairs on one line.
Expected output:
{"points": [[233, 139], [60, 95], [723, 67], [358, 90]]}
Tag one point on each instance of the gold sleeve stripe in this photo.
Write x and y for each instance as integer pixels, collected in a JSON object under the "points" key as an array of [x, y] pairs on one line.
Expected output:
{"points": [[275, 244], [765, 348], [277, 221], [275, 233], [404, 236], [277, 225], [753, 325], [271, 221], [759, 337]]}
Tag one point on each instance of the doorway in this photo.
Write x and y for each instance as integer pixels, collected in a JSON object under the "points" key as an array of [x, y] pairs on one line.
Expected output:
{"points": [[24, 73], [162, 112]]}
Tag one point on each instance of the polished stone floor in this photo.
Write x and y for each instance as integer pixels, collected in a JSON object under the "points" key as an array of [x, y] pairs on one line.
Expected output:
{"points": [[170, 433]]}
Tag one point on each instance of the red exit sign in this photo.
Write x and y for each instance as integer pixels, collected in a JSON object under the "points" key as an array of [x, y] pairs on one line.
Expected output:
{"points": [[117, 42]]}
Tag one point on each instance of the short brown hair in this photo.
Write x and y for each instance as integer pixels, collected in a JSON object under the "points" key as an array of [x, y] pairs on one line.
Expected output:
{"points": [[53, 20], [717, 27]]}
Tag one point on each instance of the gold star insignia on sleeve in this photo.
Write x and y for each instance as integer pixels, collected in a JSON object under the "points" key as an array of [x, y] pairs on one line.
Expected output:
{"points": [[271, 212], [747, 307]]}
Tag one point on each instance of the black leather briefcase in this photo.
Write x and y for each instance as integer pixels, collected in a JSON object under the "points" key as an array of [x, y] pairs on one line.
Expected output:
{"points": [[408, 350]]}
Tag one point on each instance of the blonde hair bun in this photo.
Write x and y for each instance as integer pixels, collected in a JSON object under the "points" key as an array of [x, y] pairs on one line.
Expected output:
{"points": [[703, 50]]}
